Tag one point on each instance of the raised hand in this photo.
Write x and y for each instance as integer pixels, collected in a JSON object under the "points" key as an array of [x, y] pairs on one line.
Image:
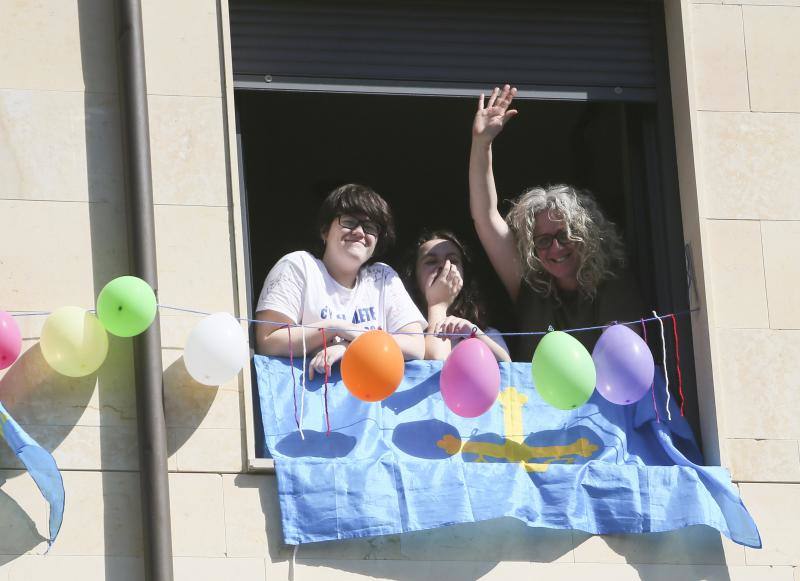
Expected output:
{"points": [[443, 287], [490, 119]]}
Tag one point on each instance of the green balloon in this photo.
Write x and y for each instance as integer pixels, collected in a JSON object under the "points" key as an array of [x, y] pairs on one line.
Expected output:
{"points": [[563, 371], [126, 306]]}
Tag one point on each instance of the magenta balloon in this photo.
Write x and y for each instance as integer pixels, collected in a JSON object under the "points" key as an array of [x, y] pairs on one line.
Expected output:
{"points": [[624, 365], [470, 379], [10, 340]]}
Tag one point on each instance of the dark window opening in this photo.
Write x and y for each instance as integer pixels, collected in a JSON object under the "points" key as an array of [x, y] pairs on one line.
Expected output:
{"points": [[413, 150]]}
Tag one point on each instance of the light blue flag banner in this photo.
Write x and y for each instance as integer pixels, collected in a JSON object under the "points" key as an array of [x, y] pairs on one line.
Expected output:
{"points": [[408, 463], [40, 465]]}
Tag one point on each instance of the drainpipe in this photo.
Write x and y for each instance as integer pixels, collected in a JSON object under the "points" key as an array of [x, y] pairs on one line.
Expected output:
{"points": [[152, 430]]}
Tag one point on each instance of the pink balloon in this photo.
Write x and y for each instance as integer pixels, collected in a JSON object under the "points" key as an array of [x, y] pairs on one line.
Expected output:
{"points": [[10, 340], [470, 379]]}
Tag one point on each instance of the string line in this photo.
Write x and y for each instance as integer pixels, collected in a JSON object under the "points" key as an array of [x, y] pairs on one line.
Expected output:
{"points": [[325, 365], [294, 381], [468, 334], [678, 360], [359, 330], [664, 363], [652, 385]]}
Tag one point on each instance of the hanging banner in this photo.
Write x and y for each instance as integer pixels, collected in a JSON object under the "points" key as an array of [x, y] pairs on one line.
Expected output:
{"points": [[40, 465], [409, 463]]}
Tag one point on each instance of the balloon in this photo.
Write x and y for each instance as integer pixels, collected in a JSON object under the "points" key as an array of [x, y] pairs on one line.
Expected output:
{"points": [[624, 365], [470, 379], [73, 342], [216, 350], [563, 371], [373, 366], [126, 306], [10, 340]]}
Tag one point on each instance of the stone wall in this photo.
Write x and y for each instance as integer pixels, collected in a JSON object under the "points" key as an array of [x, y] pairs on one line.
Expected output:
{"points": [[62, 237]]}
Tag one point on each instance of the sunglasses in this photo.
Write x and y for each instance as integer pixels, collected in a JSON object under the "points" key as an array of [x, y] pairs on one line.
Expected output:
{"points": [[368, 226], [545, 241]]}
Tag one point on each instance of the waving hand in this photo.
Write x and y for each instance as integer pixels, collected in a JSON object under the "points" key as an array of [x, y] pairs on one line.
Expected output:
{"points": [[491, 117]]}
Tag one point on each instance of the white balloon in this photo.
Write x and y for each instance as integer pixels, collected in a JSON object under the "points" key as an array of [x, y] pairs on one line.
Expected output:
{"points": [[216, 350]]}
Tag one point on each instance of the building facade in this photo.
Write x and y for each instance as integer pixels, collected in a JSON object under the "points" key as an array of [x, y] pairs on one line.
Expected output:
{"points": [[735, 92]]}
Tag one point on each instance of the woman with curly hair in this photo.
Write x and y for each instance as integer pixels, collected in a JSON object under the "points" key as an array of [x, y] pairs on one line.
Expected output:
{"points": [[438, 274], [557, 255]]}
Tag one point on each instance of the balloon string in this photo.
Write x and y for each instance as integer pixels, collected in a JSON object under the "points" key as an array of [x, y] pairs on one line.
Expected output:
{"points": [[652, 385], [303, 386], [678, 361], [664, 363], [294, 380], [325, 395], [362, 330]]}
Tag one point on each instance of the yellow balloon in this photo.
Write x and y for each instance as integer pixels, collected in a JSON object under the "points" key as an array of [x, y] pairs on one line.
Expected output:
{"points": [[74, 342]]}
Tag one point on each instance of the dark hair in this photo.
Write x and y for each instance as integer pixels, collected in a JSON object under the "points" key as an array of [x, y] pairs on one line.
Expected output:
{"points": [[469, 303], [359, 200]]}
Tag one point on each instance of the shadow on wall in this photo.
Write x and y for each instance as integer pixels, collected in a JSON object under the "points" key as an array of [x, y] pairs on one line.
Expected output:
{"points": [[26, 535]]}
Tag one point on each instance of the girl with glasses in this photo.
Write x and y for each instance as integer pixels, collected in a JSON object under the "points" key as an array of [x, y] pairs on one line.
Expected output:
{"points": [[559, 258], [345, 292], [438, 274]]}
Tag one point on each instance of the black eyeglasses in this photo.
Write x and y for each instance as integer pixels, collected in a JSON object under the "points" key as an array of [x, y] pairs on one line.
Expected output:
{"points": [[545, 241], [368, 226]]}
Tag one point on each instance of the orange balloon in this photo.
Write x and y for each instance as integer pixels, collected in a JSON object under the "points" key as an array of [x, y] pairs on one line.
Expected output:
{"points": [[373, 366]]}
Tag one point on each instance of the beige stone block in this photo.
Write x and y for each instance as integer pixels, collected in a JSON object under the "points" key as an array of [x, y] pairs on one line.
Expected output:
{"points": [[188, 150], [83, 447], [758, 369], [776, 510], [749, 166], [209, 449], [76, 568], [751, 573], [773, 51], [183, 60], [102, 515], [71, 251], [782, 271], [504, 538], [696, 545], [194, 258], [215, 569], [23, 511], [504, 570], [764, 460], [36, 395], [252, 517], [61, 46], [60, 146], [190, 404], [176, 327], [764, 2], [198, 519], [720, 67], [737, 283]]}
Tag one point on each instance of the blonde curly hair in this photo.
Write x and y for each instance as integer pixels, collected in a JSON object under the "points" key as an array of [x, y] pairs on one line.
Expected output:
{"points": [[597, 241]]}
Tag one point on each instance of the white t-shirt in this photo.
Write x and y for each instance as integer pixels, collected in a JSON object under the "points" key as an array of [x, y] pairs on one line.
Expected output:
{"points": [[300, 287]]}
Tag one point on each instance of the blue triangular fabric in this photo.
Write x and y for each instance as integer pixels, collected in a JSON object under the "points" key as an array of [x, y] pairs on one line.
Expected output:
{"points": [[409, 463], [40, 465]]}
